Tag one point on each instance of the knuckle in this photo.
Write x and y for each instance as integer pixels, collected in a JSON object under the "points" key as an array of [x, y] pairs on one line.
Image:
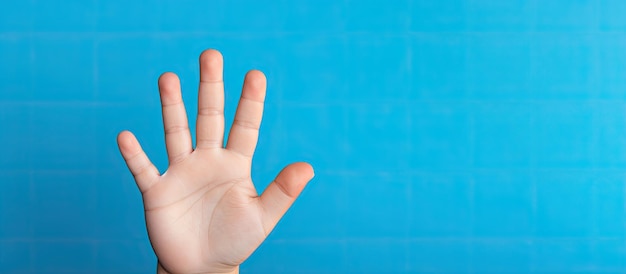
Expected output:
{"points": [[246, 124]]}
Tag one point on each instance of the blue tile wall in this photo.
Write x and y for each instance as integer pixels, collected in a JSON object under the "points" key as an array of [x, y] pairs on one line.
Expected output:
{"points": [[452, 136]]}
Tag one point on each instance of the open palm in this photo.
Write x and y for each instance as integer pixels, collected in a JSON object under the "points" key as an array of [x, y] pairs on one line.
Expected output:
{"points": [[204, 214]]}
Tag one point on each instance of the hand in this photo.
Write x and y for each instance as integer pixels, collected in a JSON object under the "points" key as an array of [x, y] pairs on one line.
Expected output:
{"points": [[203, 214]]}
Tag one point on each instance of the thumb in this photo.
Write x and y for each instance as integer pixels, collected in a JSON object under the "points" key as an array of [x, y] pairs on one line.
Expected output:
{"points": [[282, 192]]}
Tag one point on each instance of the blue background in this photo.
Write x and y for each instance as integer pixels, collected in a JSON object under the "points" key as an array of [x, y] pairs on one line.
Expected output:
{"points": [[460, 136]]}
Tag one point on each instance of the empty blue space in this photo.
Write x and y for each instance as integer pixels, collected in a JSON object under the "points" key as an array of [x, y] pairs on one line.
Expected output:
{"points": [[452, 136]]}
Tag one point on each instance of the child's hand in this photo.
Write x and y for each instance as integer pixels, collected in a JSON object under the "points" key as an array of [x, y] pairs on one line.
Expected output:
{"points": [[204, 215]]}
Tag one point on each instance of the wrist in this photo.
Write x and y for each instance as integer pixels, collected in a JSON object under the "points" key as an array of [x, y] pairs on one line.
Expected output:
{"points": [[161, 270]]}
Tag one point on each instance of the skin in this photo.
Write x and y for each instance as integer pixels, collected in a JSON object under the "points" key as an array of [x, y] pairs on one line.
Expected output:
{"points": [[204, 214]]}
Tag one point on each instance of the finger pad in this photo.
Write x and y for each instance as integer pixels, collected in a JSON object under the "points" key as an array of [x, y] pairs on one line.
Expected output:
{"points": [[295, 177], [169, 84], [126, 141], [212, 60], [256, 82]]}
